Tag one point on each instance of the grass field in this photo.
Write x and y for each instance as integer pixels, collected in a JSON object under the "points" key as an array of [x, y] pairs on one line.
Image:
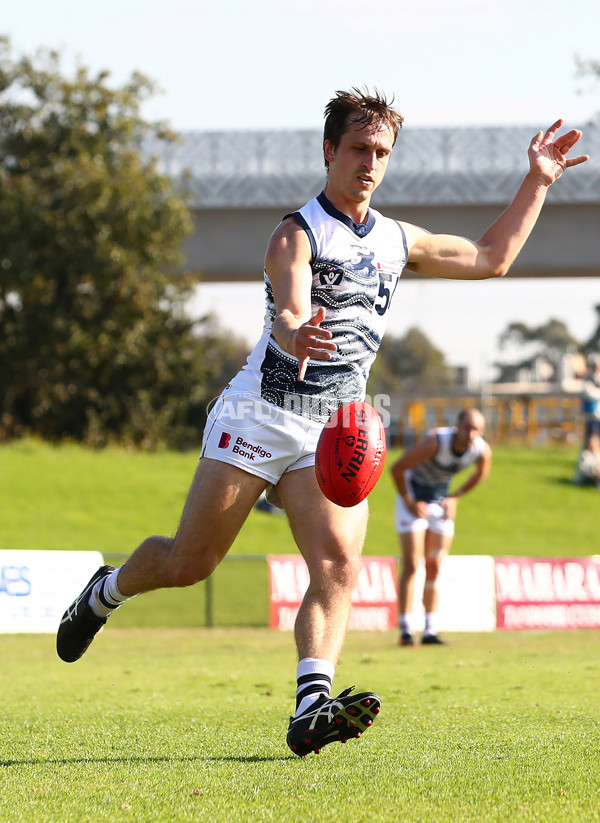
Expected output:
{"points": [[67, 497], [188, 724]]}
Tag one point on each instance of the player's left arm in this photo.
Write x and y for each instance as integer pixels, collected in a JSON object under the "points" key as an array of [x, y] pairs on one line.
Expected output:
{"points": [[453, 257]]}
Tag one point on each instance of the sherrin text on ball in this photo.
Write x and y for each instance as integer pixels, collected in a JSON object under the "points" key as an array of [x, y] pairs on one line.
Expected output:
{"points": [[350, 454]]}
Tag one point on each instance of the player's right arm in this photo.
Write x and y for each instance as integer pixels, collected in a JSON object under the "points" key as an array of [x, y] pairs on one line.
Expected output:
{"points": [[421, 451], [295, 329]]}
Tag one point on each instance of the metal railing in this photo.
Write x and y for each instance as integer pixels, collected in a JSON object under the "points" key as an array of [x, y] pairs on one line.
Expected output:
{"points": [[430, 166], [204, 595]]}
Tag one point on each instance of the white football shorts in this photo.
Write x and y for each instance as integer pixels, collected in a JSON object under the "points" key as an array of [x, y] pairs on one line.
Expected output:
{"points": [[259, 437], [436, 520]]}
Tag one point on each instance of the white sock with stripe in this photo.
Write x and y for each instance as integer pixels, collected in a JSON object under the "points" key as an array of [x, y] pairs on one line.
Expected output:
{"points": [[314, 678], [105, 597]]}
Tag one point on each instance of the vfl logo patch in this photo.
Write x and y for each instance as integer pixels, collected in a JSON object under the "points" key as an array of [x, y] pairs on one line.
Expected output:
{"points": [[224, 441], [331, 276]]}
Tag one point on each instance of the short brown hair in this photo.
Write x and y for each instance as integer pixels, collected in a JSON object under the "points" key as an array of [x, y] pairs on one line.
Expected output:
{"points": [[359, 106]]}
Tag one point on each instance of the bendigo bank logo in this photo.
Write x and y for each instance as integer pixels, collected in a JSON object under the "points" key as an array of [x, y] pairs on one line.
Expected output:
{"points": [[250, 451]]}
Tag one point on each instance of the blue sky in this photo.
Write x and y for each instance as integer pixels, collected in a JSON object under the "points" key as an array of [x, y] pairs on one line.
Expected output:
{"points": [[248, 64]]}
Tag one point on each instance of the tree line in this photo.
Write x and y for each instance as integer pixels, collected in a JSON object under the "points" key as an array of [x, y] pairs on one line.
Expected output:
{"points": [[95, 343]]}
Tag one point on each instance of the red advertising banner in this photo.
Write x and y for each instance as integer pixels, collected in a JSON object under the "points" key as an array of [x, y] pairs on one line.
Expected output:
{"points": [[547, 593], [374, 600]]}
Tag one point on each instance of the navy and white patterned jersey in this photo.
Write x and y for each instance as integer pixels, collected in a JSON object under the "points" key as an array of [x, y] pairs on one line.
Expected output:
{"points": [[355, 271], [429, 481]]}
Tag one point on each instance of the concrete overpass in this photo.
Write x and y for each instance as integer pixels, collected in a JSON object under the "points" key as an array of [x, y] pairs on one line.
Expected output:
{"points": [[451, 180]]}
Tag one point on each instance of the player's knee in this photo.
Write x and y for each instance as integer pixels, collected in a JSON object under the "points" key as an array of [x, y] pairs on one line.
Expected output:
{"points": [[409, 567], [348, 571], [432, 573], [342, 572]]}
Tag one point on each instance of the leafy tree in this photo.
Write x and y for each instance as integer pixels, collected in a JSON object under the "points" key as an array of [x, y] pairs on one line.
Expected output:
{"points": [[94, 344], [222, 356], [409, 364], [552, 339]]}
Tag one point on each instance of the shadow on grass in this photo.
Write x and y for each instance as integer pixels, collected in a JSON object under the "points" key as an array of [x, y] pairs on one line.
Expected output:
{"points": [[67, 761], [568, 481]]}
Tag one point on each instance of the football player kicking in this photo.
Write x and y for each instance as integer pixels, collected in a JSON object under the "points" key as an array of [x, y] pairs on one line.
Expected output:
{"points": [[330, 272]]}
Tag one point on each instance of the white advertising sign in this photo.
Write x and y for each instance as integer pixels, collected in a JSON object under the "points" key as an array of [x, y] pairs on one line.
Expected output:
{"points": [[37, 586], [467, 595], [466, 588]]}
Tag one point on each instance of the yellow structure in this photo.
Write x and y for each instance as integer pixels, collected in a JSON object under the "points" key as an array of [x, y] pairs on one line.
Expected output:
{"points": [[532, 419]]}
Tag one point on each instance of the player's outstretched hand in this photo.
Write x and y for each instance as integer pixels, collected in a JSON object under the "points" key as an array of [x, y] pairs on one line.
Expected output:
{"points": [[548, 156], [313, 342]]}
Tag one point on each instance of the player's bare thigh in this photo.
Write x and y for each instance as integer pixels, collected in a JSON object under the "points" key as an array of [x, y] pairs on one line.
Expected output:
{"points": [[322, 530], [219, 501]]}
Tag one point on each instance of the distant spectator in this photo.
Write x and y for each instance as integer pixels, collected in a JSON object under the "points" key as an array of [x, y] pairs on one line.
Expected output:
{"points": [[588, 466], [426, 509], [590, 400]]}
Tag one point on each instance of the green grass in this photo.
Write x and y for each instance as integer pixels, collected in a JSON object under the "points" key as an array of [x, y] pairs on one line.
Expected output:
{"points": [[68, 497], [182, 725], [159, 722]]}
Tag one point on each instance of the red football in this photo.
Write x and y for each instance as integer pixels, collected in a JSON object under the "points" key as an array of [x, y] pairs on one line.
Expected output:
{"points": [[350, 454]]}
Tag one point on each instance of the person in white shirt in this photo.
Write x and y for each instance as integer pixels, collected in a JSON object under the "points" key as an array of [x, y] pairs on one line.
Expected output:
{"points": [[426, 509], [330, 271]]}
